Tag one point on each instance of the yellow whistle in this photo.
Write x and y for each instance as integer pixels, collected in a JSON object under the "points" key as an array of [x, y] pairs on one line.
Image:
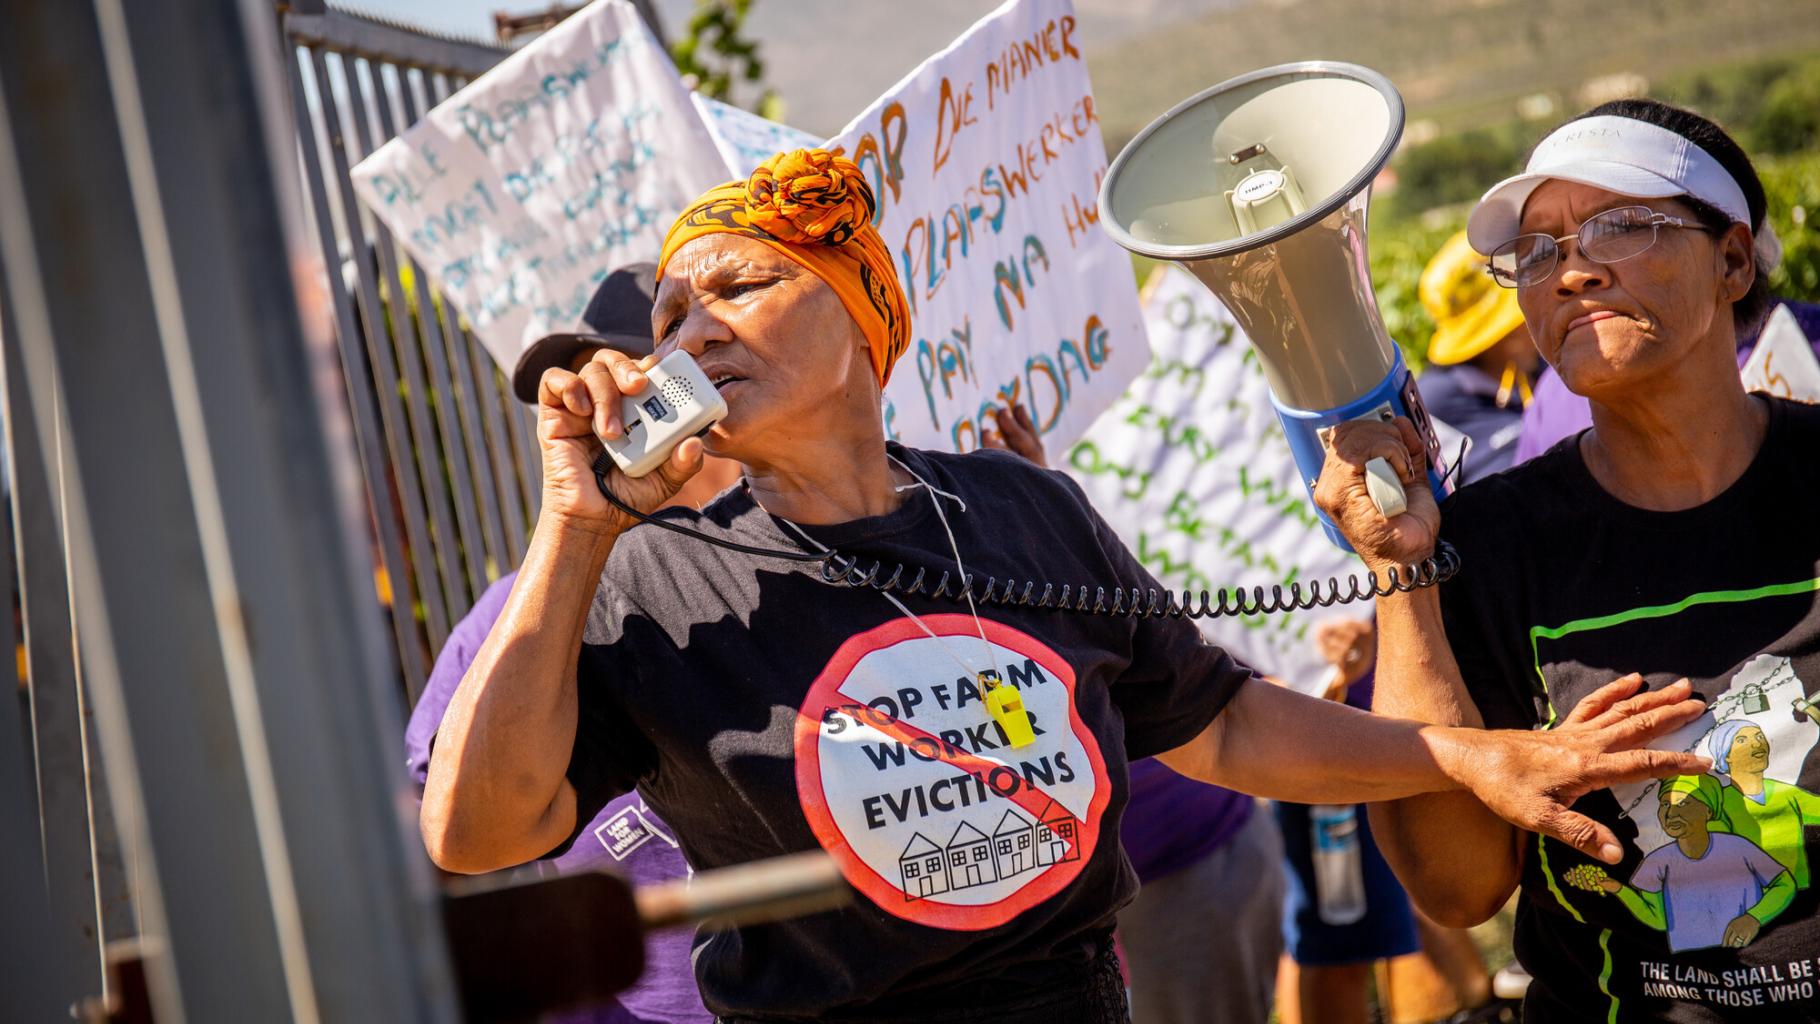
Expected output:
{"points": [[1006, 705]]}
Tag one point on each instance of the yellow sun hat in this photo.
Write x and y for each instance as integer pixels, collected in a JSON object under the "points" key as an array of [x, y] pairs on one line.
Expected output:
{"points": [[1471, 311]]}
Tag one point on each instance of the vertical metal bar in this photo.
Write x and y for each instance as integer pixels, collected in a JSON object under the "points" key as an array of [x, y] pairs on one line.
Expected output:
{"points": [[384, 501], [501, 551], [419, 335], [233, 409], [393, 329], [28, 971], [496, 415], [56, 722], [426, 448], [500, 518], [113, 871], [523, 428], [107, 863], [530, 461], [187, 788], [507, 460], [109, 858], [385, 371]]}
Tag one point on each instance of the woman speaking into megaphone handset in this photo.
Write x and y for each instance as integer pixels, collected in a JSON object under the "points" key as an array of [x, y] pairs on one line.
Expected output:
{"points": [[1674, 541]]}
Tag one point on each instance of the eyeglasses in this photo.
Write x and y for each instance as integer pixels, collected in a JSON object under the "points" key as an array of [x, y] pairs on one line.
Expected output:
{"points": [[1609, 237]]}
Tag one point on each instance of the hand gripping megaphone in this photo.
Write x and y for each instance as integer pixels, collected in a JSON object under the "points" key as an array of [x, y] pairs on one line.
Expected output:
{"points": [[1258, 187]]}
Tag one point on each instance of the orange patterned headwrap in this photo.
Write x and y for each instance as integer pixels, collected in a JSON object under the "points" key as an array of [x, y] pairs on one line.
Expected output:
{"points": [[816, 208]]}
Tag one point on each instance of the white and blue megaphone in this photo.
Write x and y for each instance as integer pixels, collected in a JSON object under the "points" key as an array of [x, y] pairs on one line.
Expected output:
{"points": [[1258, 186]]}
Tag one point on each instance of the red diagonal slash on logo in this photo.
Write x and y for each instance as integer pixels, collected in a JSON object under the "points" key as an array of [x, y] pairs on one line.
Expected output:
{"points": [[1026, 795], [862, 859]]}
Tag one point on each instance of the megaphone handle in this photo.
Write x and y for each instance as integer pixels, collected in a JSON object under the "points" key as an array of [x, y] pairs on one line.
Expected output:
{"points": [[1385, 489]]}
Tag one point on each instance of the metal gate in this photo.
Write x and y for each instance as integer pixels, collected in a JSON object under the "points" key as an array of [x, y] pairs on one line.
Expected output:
{"points": [[185, 835], [447, 454], [255, 469]]}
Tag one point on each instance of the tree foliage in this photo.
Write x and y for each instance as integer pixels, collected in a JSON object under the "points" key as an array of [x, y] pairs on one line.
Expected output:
{"points": [[717, 58], [1456, 168], [1792, 185], [1772, 107]]}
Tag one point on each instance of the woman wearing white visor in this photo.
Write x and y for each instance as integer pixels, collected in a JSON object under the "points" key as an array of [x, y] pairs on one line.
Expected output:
{"points": [[1675, 543]]}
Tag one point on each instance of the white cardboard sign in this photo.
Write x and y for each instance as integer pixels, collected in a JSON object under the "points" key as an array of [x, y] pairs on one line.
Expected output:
{"points": [[746, 140], [1191, 469], [522, 191], [986, 162], [1783, 362]]}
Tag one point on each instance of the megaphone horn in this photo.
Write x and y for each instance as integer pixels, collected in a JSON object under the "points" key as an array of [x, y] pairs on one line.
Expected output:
{"points": [[1259, 187]]}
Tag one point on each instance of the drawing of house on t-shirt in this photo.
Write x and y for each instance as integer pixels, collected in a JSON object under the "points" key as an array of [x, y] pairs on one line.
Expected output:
{"points": [[1011, 845], [970, 858], [924, 868], [1056, 839]]}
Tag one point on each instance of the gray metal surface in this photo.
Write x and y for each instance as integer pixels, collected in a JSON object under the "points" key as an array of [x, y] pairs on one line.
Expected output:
{"points": [[450, 473], [517, 421], [373, 323], [43, 810], [212, 714], [229, 625], [56, 725], [382, 489], [420, 344], [391, 42], [186, 730], [443, 561], [445, 333], [29, 974]]}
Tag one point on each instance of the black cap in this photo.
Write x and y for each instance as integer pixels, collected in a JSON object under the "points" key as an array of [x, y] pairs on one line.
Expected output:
{"points": [[618, 317]]}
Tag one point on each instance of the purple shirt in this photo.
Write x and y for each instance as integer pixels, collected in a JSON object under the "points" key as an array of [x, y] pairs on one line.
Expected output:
{"points": [[1702, 895], [1174, 821], [1555, 414], [1466, 398], [626, 837]]}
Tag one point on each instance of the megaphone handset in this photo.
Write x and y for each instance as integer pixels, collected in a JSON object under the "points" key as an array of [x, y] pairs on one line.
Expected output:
{"points": [[1385, 489]]}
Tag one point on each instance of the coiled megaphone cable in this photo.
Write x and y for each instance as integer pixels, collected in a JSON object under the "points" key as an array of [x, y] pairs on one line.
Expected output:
{"points": [[1125, 602]]}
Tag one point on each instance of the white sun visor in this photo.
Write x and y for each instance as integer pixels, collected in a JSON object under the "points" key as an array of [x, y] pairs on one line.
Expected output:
{"points": [[1618, 154]]}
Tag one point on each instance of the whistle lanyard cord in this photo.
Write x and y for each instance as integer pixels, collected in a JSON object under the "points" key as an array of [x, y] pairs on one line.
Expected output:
{"points": [[966, 669], [936, 495]]}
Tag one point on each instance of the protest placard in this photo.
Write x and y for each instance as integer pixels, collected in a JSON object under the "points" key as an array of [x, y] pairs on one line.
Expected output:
{"points": [[1191, 468], [521, 192], [1783, 362], [986, 161], [745, 139]]}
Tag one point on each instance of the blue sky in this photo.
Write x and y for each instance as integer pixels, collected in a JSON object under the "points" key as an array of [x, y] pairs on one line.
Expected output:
{"points": [[463, 17]]}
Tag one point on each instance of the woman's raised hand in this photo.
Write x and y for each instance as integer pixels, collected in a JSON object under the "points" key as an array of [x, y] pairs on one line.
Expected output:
{"points": [[1531, 779], [1341, 492], [575, 411]]}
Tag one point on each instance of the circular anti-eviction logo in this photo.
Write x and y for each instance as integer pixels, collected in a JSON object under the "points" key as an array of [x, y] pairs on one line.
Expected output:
{"points": [[918, 794]]}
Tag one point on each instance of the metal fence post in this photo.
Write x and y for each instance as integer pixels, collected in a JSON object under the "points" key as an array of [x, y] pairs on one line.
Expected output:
{"points": [[229, 633], [59, 741], [29, 975], [44, 965]]}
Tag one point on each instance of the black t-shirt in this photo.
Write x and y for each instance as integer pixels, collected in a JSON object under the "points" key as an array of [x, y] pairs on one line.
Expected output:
{"points": [[762, 711], [1564, 588]]}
